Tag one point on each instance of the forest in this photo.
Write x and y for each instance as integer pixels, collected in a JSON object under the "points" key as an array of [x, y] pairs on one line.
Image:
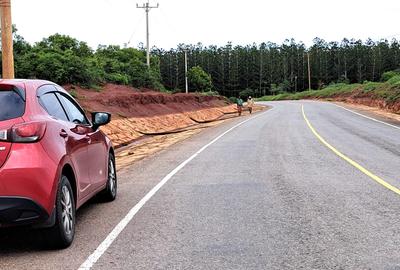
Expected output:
{"points": [[270, 68], [259, 69]]}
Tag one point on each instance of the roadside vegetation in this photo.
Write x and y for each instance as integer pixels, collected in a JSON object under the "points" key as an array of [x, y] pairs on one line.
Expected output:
{"points": [[278, 71], [66, 60], [199, 79], [270, 68], [388, 90]]}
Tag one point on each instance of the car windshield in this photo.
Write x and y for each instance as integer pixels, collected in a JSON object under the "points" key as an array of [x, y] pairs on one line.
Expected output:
{"points": [[12, 104]]}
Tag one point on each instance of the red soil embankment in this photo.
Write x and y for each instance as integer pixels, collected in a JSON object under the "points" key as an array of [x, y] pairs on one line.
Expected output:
{"points": [[137, 113], [358, 97]]}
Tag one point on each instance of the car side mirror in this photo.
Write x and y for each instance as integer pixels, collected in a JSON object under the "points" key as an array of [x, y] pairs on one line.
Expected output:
{"points": [[100, 119]]}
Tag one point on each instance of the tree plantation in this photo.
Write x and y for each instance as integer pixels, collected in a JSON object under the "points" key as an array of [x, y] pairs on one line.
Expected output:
{"points": [[263, 69], [270, 68]]}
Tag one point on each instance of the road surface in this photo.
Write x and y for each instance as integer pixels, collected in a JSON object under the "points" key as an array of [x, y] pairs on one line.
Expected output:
{"points": [[268, 194]]}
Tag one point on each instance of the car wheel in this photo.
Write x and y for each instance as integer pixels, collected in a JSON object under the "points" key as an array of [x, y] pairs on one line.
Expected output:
{"points": [[110, 192], [62, 233]]}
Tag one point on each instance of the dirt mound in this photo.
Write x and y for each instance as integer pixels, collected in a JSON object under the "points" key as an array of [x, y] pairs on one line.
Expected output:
{"points": [[137, 113], [125, 130], [125, 101], [362, 98]]}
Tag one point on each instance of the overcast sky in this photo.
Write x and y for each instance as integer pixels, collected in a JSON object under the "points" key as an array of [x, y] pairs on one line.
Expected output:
{"points": [[207, 21]]}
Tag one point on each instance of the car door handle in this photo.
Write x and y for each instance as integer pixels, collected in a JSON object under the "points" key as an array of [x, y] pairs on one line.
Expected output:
{"points": [[63, 133]]}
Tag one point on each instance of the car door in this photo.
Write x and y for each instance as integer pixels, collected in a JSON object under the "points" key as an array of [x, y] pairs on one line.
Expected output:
{"points": [[75, 137], [97, 148]]}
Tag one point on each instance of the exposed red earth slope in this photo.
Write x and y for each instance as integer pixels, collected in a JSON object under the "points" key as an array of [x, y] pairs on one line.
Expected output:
{"points": [[359, 97], [136, 113]]}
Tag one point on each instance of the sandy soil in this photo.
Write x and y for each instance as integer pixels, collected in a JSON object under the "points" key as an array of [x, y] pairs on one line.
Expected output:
{"points": [[123, 131], [152, 144]]}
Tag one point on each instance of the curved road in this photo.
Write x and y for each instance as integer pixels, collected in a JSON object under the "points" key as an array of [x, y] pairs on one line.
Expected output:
{"points": [[266, 195]]}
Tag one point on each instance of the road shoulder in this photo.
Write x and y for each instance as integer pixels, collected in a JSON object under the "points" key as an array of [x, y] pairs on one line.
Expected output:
{"points": [[373, 112]]}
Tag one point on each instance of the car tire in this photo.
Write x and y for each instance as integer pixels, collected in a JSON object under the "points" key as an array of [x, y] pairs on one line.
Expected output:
{"points": [[62, 233], [110, 192]]}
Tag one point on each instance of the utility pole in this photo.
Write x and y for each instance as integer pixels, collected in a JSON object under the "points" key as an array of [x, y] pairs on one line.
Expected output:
{"points": [[6, 40], [186, 73], [147, 8], [309, 71]]}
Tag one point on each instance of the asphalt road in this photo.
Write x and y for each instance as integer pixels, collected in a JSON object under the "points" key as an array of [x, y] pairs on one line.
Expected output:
{"points": [[267, 195]]}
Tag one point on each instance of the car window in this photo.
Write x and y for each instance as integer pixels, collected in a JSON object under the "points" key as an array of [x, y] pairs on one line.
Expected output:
{"points": [[53, 106], [12, 105], [75, 114]]}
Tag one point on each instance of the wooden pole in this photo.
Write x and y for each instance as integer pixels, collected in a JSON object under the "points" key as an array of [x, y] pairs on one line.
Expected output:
{"points": [[186, 73], [6, 40], [309, 71], [146, 6]]}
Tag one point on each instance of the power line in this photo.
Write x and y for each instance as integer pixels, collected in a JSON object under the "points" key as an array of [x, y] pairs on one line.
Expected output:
{"points": [[166, 20], [134, 31], [147, 8]]}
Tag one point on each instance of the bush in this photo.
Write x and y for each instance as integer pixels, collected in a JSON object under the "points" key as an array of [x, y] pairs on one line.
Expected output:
{"points": [[395, 80], [233, 99], [65, 60], [327, 92], [370, 86], [388, 75], [176, 91], [199, 79], [117, 78], [246, 93], [343, 79], [210, 93], [283, 87]]}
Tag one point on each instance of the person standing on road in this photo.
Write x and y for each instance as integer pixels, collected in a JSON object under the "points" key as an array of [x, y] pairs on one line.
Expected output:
{"points": [[239, 103], [250, 104]]}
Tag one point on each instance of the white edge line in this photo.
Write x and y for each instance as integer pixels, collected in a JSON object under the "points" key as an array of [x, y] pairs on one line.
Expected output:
{"points": [[95, 256], [370, 118]]}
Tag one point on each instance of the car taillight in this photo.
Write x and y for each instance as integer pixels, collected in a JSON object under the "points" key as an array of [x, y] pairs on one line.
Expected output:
{"points": [[27, 132]]}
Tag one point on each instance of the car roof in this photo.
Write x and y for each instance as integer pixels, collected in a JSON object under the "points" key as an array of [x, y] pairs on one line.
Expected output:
{"points": [[25, 82]]}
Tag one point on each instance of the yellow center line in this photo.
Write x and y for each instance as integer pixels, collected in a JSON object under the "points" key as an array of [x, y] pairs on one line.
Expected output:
{"points": [[349, 160]]}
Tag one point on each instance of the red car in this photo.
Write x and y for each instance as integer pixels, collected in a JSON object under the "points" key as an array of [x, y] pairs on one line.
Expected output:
{"points": [[52, 158]]}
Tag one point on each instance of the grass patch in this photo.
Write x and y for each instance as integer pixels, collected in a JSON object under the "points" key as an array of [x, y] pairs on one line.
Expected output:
{"points": [[96, 87], [208, 93], [389, 91], [73, 93], [395, 80], [370, 86]]}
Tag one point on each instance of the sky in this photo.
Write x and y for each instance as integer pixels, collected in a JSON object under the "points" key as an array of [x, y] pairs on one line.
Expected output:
{"points": [[211, 22]]}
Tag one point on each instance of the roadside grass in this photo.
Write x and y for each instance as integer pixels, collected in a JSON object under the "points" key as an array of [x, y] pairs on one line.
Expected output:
{"points": [[73, 93], [388, 90]]}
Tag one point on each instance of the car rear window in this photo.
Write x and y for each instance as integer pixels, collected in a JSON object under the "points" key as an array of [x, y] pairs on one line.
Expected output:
{"points": [[12, 103]]}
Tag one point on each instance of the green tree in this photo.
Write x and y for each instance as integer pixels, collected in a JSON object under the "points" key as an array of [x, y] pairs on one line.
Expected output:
{"points": [[284, 66], [246, 93], [65, 60], [199, 79]]}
